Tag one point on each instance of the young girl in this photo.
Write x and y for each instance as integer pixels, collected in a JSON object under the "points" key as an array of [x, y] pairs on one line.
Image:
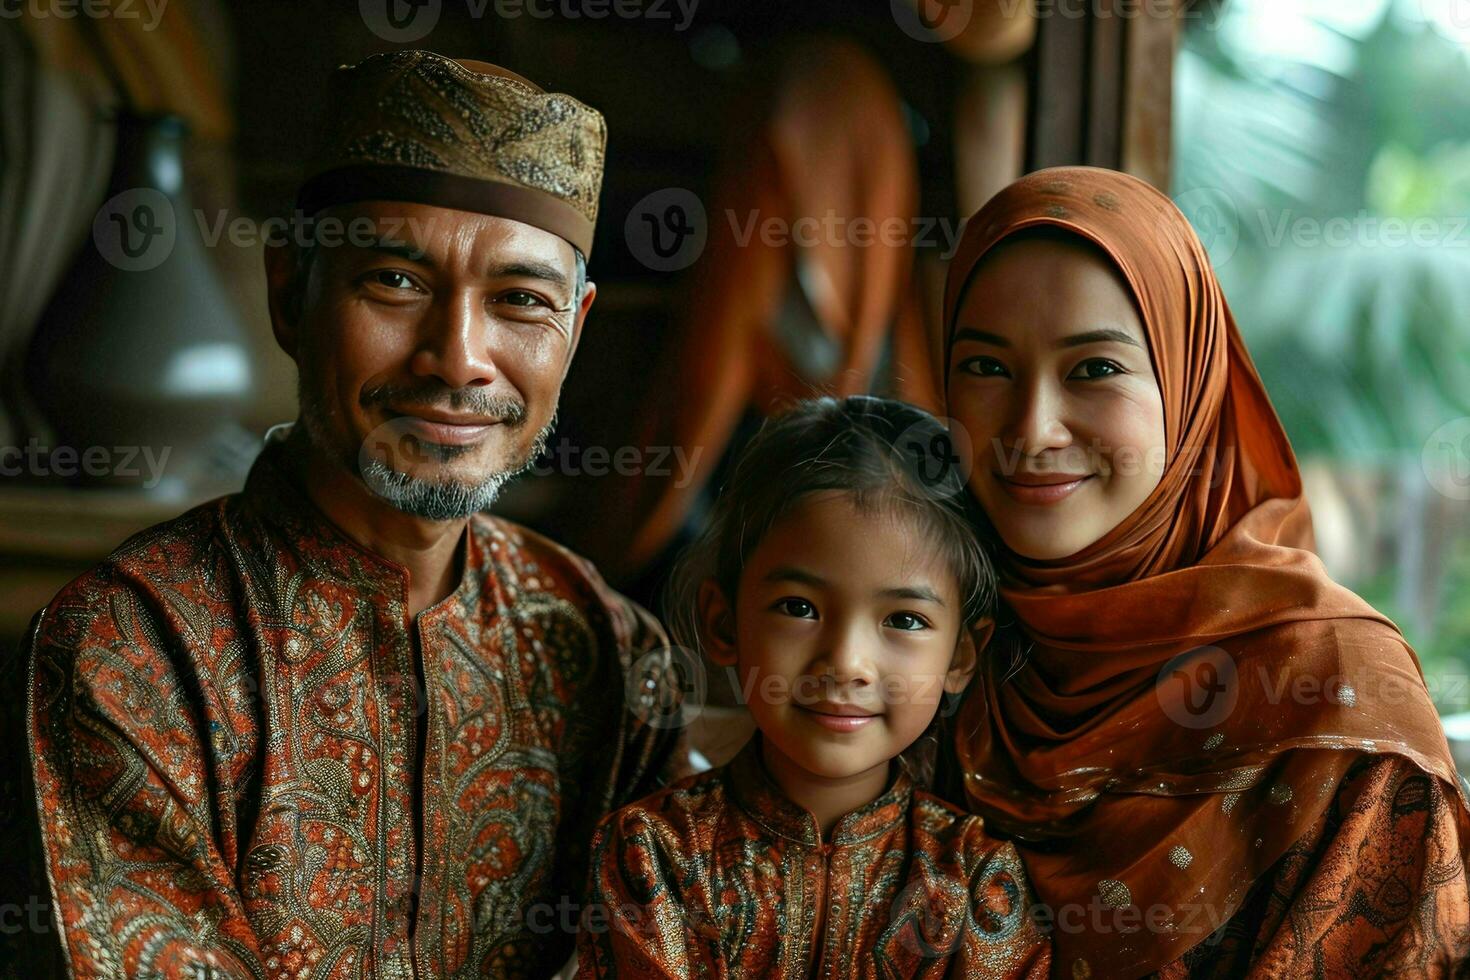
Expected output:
{"points": [[838, 577]]}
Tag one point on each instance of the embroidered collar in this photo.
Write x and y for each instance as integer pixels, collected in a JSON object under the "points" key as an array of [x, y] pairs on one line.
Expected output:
{"points": [[763, 800], [274, 496]]}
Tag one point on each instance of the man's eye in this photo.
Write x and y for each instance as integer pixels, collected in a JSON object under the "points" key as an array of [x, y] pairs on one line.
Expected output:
{"points": [[799, 608], [906, 621], [984, 367], [392, 279], [519, 297], [1097, 367]]}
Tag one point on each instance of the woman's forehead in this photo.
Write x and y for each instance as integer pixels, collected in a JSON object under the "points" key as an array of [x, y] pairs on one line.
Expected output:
{"points": [[1050, 285]]}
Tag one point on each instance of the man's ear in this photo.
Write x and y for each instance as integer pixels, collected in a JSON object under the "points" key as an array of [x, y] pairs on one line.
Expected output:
{"points": [[589, 293], [283, 293], [716, 623], [971, 643]]}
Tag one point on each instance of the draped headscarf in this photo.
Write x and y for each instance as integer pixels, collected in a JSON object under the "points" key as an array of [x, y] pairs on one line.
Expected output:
{"points": [[1194, 686]]}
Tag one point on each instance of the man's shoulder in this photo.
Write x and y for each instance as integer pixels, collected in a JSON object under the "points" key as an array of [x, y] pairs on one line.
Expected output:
{"points": [[145, 565], [529, 562], [510, 544]]}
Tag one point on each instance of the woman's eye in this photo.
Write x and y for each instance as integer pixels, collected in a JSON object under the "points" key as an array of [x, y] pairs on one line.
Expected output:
{"points": [[906, 621], [984, 367], [798, 608], [1098, 367]]}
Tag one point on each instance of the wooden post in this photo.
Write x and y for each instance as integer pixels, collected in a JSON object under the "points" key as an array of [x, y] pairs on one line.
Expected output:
{"points": [[1102, 80]]}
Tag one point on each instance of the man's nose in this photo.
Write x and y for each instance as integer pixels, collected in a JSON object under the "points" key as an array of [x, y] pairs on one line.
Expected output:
{"points": [[458, 346]]}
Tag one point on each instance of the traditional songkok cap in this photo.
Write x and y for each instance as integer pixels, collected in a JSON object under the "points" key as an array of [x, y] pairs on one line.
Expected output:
{"points": [[416, 126]]}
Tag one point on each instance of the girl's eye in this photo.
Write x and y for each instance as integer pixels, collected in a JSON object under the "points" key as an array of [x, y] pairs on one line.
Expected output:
{"points": [[907, 621], [1097, 367], [798, 608], [983, 367]]}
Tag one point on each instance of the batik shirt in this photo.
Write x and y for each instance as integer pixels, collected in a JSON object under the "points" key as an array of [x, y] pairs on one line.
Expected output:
{"points": [[224, 727], [721, 875]]}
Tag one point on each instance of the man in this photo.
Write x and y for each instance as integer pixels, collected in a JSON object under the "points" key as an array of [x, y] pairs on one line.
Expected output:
{"points": [[343, 724]]}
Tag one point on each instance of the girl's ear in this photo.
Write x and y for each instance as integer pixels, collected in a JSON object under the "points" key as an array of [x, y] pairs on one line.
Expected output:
{"points": [[966, 655], [716, 623], [981, 630]]}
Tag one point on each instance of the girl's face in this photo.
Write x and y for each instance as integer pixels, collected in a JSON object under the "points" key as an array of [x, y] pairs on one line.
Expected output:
{"points": [[1050, 375], [844, 637]]}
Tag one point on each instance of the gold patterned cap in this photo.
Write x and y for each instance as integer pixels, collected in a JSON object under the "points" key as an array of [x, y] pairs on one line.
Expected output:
{"points": [[417, 126]]}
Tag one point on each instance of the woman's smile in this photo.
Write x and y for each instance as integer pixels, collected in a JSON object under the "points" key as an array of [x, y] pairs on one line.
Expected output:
{"points": [[1041, 489]]}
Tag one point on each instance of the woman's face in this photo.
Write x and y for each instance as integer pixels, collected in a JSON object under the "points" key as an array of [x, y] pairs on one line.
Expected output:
{"points": [[1050, 375]]}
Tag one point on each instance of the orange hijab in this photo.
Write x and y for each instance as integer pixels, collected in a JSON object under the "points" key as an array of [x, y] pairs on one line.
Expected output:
{"points": [[1194, 685]]}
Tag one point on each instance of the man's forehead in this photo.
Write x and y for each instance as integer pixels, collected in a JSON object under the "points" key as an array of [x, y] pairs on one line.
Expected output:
{"points": [[437, 233]]}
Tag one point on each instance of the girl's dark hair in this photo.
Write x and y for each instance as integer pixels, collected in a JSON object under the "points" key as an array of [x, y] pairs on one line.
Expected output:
{"points": [[890, 457]]}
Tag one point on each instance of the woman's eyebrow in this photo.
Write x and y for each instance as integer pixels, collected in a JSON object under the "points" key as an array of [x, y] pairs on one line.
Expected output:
{"points": [[970, 333], [1097, 337], [1076, 340]]}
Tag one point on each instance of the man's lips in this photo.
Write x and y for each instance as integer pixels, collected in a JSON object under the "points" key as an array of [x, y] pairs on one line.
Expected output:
{"points": [[443, 428], [1041, 488]]}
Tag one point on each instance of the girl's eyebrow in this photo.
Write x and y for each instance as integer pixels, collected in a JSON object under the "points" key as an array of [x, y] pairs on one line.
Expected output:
{"points": [[791, 573], [921, 593]]}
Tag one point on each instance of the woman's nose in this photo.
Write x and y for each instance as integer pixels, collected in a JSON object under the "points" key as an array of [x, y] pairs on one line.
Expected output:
{"points": [[1037, 419]]}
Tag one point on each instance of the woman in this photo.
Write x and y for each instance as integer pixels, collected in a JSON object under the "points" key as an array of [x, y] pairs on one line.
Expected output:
{"points": [[1215, 760]]}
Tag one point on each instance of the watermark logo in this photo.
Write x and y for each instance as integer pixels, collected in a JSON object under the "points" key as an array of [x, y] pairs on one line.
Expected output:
{"points": [[1446, 459], [1199, 688], [943, 459], [401, 21], [1449, 18], [390, 450], [667, 687], [932, 20], [136, 230], [1216, 221], [668, 229], [923, 916]]}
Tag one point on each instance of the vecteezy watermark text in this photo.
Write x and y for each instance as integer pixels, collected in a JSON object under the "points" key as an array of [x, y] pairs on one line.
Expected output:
{"points": [[568, 459], [90, 9], [122, 462], [407, 21]]}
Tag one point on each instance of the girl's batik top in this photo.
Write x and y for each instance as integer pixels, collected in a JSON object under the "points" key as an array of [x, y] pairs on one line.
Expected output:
{"points": [[721, 875]]}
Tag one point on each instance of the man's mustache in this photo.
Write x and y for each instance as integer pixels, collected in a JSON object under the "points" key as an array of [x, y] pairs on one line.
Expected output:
{"points": [[473, 401]]}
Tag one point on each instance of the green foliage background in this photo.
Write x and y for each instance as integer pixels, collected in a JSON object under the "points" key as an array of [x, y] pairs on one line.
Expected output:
{"points": [[1290, 114]]}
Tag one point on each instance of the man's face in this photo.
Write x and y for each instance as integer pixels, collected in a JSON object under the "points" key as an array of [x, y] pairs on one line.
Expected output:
{"points": [[431, 363]]}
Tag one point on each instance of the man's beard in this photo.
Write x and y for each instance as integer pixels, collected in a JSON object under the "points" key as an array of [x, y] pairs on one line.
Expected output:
{"points": [[447, 500]]}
